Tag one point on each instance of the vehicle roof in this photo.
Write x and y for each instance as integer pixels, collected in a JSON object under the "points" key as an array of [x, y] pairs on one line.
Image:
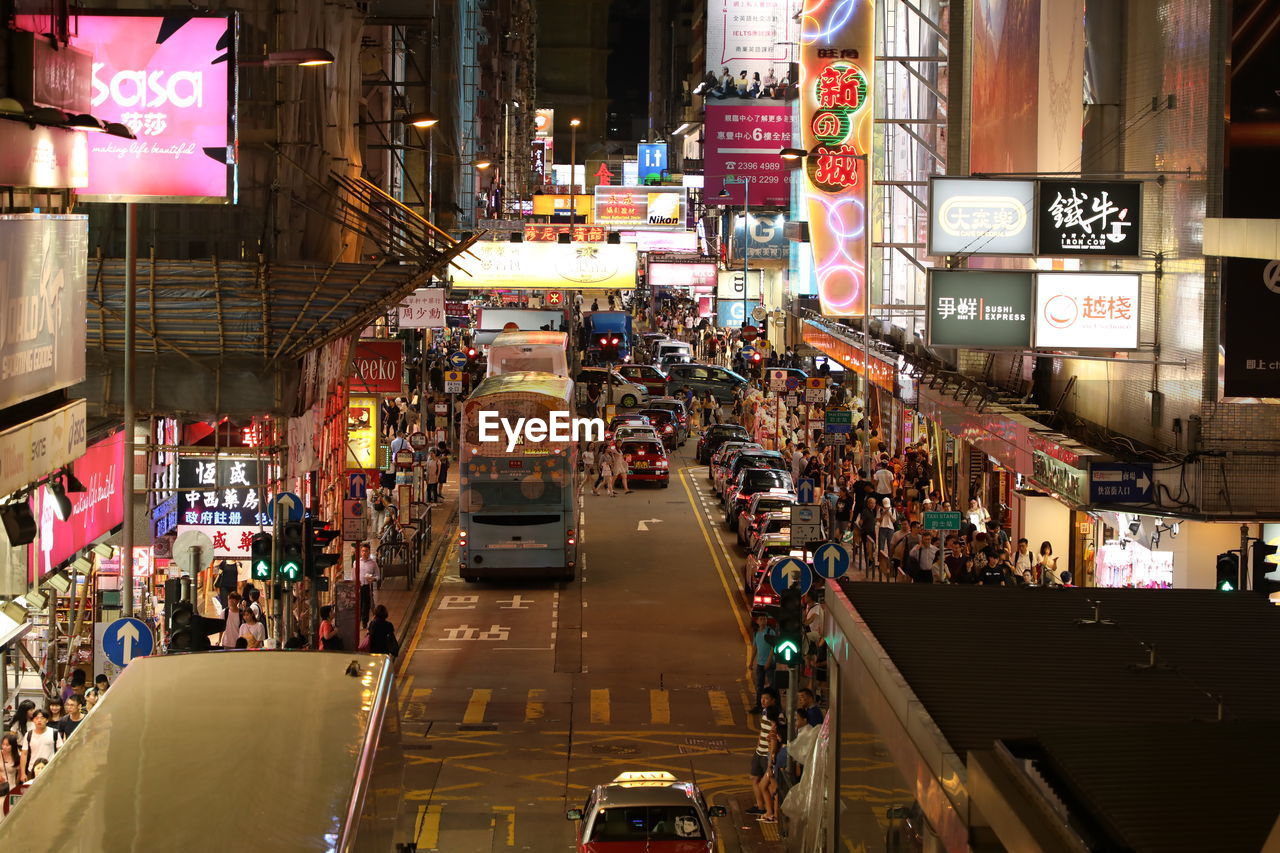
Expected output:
{"points": [[640, 439], [770, 540], [632, 417], [666, 413], [526, 381], [762, 452], [782, 496], [527, 339], [674, 794], [734, 428]]}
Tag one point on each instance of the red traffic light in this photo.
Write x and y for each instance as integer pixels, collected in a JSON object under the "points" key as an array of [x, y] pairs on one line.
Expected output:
{"points": [[471, 353], [755, 356]]}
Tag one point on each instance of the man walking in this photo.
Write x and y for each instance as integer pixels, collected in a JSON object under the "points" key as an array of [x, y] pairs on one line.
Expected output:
{"points": [[367, 575]]}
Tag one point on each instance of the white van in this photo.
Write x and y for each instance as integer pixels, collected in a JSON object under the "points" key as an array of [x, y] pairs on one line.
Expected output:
{"points": [[665, 349]]}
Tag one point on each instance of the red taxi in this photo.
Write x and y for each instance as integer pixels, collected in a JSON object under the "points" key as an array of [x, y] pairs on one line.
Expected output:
{"points": [[646, 461]]}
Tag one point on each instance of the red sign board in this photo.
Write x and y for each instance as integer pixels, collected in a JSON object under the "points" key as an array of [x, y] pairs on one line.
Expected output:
{"points": [[555, 297], [541, 233], [378, 367], [94, 512], [457, 309], [749, 333], [744, 141]]}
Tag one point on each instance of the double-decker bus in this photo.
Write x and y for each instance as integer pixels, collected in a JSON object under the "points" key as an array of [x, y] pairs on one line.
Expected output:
{"points": [[518, 510], [544, 352]]}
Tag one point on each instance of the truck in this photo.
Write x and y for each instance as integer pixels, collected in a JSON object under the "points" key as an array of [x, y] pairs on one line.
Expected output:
{"points": [[601, 323]]}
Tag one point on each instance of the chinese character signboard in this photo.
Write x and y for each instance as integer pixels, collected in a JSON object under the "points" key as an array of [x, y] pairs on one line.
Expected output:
{"points": [[652, 158], [538, 161], [171, 79], [768, 238], [1251, 304], [378, 367], [1090, 218], [640, 207], [837, 63], [1087, 311], [743, 141], [548, 266], [540, 233], [974, 216], [42, 304], [422, 309], [226, 497], [988, 310]]}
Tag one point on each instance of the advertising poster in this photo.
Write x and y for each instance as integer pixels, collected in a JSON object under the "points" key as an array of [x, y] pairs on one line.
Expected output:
{"points": [[744, 141], [837, 64], [729, 284], [1005, 88], [1251, 304], [682, 274], [1087, 311], [378, 366], [548, 266], [733, 313], [1100, 219], [662, 241], [95, 512], [422, 309], [171, 79], [362, 432], [988, 310], [749, 49], [43, 263], [640, 207], [768, 238], [975, 216]]}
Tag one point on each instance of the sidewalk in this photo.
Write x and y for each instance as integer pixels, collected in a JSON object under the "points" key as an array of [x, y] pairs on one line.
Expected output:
{"points": [[402, 604]]}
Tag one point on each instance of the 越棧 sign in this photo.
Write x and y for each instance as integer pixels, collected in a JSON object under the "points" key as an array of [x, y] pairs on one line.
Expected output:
{"points": [[976, 216], [641, 207], [224, 492], [768, 238], [1087, 310], [378, 366], [548, 266], [42, 304], [1089, 218], [422, 309], [94, 512], [171, 80], [970, 308]]}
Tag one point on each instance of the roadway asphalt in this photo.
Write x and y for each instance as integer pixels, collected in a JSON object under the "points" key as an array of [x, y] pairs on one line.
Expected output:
{"points": [[516, 699]]}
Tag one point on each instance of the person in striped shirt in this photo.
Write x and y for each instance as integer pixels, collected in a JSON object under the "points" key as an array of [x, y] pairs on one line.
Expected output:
{"points": [[761, 759]]}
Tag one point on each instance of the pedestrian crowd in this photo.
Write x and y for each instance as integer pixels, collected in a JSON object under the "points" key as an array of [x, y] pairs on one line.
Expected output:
{"points": [[35, 733]]}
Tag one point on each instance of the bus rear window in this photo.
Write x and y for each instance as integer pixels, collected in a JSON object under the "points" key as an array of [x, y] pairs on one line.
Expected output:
{"points": [[531, 520], [529, 493]]}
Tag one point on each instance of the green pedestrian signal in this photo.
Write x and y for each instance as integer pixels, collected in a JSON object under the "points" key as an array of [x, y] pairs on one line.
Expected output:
{"points": [[291, 551], [787, 651], [1228, 571], [260, 557]]}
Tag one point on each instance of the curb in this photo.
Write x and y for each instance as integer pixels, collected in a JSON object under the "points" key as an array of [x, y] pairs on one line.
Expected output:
{"points": [[432, 560]]}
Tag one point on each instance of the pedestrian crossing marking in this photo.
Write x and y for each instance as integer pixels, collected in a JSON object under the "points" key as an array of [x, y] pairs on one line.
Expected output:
{"points": [[535, 707], [600, 706], [659, 707], [720, 707], [476, 706]]}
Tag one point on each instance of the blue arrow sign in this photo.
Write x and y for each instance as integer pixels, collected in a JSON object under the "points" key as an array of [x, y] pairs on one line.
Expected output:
{"points": [[804, 490], [1120, 482], [784, 571], [458, 359], [830, 561], [126, 639], [357, 486], [289, 503]]}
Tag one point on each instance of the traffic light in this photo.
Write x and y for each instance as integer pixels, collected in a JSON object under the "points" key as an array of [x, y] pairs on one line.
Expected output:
{"points": [[260, 562], [291, 552], [1228, 571], [472, 355], [786, 648], [1265, 561], [755, 361], [317, 538]]}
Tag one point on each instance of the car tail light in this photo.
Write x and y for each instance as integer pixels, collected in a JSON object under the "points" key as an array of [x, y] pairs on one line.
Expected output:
{"points": [[662, 463], [571, 536], [667, 428], [462, 537]]}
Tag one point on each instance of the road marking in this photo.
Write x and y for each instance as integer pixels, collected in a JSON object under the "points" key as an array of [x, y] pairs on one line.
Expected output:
{"points": [[720, 707], [659, 707], [449, 555], [421, 694], [600, 706], [428, 837], [509, 812], [476, 706], [534, 709]]}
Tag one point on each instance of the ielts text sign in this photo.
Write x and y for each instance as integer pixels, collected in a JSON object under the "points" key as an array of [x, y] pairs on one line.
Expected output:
{"points": [[170, 79], [378, 367]]}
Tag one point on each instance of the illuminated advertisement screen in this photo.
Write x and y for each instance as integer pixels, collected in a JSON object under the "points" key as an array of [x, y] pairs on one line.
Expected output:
{"points": [[1087, 311], [837, 59], [975, 216], [975, 308], [172, 80], [547, 266]]}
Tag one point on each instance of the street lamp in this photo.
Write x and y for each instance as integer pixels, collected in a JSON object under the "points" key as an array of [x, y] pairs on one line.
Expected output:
{"points": [[573, 171], [421, 120], [303, 57]]}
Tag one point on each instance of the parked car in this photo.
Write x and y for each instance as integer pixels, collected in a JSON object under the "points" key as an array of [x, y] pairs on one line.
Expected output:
{"points": [[626, 394], [653, 379], [634, 430], [646, 461], [763, 597], [755, 458], [648, 811], [767, 549], [716, 435], [677, 407], [701, 378], [761, 503], [725, 455], [748, 482], [667, 425], [632, 419], [776, 521]]}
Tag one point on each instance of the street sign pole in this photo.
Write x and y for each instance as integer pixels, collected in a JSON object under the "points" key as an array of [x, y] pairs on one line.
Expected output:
{"points": [[275, 561]]}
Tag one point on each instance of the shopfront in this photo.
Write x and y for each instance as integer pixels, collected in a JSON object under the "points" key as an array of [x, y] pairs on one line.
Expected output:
{"points": [[885, 408]]}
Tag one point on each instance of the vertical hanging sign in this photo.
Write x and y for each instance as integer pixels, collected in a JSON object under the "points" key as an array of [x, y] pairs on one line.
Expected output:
{"points": [[837, 60]]}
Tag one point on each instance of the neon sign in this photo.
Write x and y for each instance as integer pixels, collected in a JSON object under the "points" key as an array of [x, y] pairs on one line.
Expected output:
{"points": [[836, 52]]}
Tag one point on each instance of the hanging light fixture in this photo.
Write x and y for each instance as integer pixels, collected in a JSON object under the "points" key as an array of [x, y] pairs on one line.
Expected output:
{"points": [[57, 493], [19, 523]]}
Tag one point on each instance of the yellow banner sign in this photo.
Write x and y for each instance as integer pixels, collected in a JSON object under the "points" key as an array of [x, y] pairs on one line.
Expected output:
{"points": [[548, 266], [559, 205]]}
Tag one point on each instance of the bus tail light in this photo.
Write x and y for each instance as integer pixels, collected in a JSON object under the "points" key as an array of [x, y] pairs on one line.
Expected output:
{"points": [[462, 537], [571, 536]]}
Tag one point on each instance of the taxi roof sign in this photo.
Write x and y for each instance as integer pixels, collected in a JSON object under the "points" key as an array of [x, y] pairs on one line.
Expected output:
{"points": [[644, 778]]}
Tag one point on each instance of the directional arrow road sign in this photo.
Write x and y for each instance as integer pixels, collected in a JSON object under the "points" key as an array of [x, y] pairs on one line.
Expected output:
{"points": [[126, 639], [290, 505], [804, 490], [784, 571], [830, 561], [643, 526], [458, 359]]}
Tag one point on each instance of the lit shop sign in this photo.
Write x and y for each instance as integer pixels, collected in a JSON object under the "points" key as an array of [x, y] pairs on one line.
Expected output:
{"points": [[1090, 218], [362, 432], [837, 58], [700, 274], [378, 367], [422, 309], [544, 122], [171, 79], [641, 207], [768, 237], [662, 241], [94, 512], [974, 216], [223, 492], [651, 160], [730, 286], [547, 266], [1076, 311], [1058, 476], [988, 310], [540, 233]]}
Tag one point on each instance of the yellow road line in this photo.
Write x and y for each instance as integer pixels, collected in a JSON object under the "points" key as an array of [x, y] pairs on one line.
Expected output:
{"points": [[534, 709], [720, 707], [509, 812], [428, 837], [421, 694], [659, 707], [476, 705], [406, 686], [733, 600], [449, 555], [600, 706]]}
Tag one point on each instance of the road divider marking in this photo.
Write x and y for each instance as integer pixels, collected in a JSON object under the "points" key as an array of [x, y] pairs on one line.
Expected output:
{"points": [[659, 707], [450, 555], [506, 814], [720, 707], [600, 706], [428, 822], [535, 707], [421, 694], [476, 706]]}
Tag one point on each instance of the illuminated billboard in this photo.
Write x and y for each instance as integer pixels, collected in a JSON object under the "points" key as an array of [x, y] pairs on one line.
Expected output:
{"points": [[837, 43], [661, 208], [1077, 311], [976, 216], [171, 79], [547, 266]]}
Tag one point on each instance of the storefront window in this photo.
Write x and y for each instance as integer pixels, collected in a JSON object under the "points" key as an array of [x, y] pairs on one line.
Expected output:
{"points": [[1128, 563]]}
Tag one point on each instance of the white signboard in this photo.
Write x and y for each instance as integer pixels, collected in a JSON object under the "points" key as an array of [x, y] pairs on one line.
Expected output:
{"points": [[806, 524], [422, 309], [730, 284], [547, 266], [778, 380], [662, 241], [452, 382], [975, 216], [1087, 311], [755, 36], [33, 449]]}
